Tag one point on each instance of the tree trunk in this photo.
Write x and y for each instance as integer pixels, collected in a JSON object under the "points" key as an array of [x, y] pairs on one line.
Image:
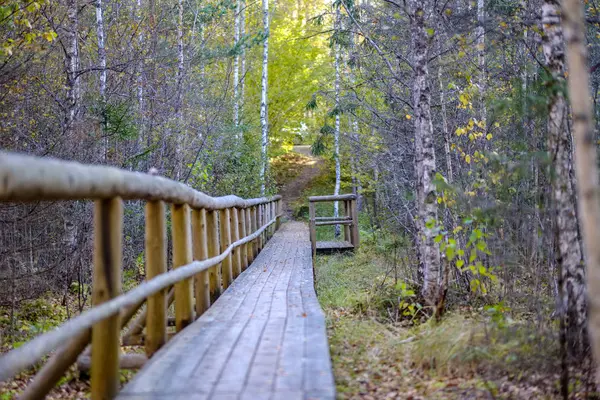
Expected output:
{"points": [[480, 32], [71, 66], [236, 66], [264, 117], [586, 165], [140, 74], [242, 56], [180, 132], [336, 138], [430, 261], [102, 62], [563, 193]]}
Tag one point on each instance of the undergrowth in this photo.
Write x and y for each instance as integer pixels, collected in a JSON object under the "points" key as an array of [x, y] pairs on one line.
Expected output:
{"points": [[383, 348]]}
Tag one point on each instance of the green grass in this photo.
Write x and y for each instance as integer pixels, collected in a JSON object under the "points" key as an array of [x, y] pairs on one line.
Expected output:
{"points": [[471, 353]]}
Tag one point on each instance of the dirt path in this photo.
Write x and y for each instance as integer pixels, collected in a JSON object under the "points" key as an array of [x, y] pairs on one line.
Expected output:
{"points": [[292, 191]]}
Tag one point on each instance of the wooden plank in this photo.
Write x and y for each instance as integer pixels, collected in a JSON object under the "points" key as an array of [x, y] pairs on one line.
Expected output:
{"points": [[201, 281], [333, 246], [108, 253], [156, 264], [264, 338], [182, 255]]}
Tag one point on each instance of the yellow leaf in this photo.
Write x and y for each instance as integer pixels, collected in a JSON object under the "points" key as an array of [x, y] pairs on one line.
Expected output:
{"points": [[50, 35], [489, 136], [468, 159], [408, 116]]}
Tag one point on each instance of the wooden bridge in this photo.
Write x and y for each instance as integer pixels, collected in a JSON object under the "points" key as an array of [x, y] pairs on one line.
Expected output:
{"points": [[247, 324]]}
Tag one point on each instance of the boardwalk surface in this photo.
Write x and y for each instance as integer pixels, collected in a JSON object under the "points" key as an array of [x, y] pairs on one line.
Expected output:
{"points": [[264, 338]]}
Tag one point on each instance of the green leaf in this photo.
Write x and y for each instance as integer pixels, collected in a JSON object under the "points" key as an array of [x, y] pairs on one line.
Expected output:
{"points": [[473, 255]]}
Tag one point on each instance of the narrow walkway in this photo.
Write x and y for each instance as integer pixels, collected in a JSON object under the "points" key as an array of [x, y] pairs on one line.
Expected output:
{"points": [[264, 338]]}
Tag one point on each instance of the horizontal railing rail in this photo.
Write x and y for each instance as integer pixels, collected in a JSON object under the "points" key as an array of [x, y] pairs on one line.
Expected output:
{"points": [[349, 219], [213, 240]]}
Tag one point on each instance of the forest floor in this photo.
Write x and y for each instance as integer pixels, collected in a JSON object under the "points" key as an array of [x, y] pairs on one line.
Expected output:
{"points": [[383, 347]]}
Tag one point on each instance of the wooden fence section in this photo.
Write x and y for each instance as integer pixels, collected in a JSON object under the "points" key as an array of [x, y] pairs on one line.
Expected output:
{"points": [[349, 220], [214, 240]]}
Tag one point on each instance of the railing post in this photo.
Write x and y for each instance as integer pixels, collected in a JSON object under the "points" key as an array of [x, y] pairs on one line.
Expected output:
{"points": [[312, 228], [271, 216], [249, 231], [235, 236], [347, 213], [354, 211], [200, 238], [225, 225], [156, 264], [259, 224], [243, 233], [254, 221], [108, 253], [182, 255], [212, 231], [278, 212]]}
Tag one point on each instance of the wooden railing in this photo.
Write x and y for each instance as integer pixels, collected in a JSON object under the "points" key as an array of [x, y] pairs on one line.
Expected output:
{"points": [[214, 240], [349, 219]]}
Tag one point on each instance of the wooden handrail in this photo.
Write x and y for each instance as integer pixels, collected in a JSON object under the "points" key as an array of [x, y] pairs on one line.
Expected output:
{"points": [[29, 178], [25, 356], [210, 251], [340, 197], [349, 220]]}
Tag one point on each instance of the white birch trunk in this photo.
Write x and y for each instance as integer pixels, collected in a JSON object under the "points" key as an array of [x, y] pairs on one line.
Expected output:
{"points": [[71, 66], [179, 139], [424, 154], [563, 188], [139, 73], [102, 62], [236, 67], [264, 117], [480, 32], [243, 57], [336, 138]]}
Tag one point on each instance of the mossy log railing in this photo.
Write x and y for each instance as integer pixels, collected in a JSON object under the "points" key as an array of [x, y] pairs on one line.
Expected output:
{"points": [[214, 240], [349, 219]]}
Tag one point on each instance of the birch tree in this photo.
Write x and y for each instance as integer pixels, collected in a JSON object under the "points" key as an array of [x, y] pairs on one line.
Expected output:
{"points": [[420, 15], [480, 33], [563, 193], [264, 117], [179, 139], [102, 66], [336, 138], [586, 162], [71, 65], [236, 64]]}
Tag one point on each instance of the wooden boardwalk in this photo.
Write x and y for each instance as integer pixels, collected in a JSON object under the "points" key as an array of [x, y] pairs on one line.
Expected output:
{"points": [[264, 338]]}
